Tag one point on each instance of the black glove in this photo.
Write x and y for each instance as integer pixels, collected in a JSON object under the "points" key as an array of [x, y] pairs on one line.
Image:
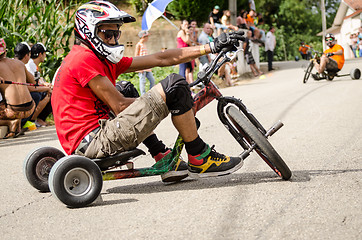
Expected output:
{"points": [[226, 41], [330, 54]]}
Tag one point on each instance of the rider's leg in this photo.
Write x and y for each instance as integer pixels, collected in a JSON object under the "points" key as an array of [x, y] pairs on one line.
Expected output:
{"points": [[202, 159], [322, 65]]}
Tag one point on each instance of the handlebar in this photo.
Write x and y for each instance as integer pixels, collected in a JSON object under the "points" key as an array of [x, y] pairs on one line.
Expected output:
{"points": [[205, 75]]}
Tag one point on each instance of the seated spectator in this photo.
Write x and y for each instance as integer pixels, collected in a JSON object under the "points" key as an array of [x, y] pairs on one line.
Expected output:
{"points": [[250, 18], [225, 73], [44, 108], [214, 20], [17, 102], [241, 20], [225, 20], [22, 52]]}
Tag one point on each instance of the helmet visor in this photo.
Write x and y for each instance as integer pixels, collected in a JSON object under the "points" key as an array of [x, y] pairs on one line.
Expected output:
{"points": [[109, 34]]}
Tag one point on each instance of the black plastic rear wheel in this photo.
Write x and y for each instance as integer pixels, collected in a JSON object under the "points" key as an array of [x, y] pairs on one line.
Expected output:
{"points": [[355, 73], [263, 146], [37, 166]]}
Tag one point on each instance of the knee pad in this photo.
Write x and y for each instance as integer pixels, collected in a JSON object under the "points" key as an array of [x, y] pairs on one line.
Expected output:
{"points": [[127, 89], [178, 94]]}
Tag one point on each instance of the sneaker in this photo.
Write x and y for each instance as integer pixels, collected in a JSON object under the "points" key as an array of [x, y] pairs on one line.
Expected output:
{"points": [[177, 173], [30, 125], [211, 164]]}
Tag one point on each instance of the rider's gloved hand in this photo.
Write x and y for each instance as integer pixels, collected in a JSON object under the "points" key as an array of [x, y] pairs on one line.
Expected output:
{"points": [[227, 41], [330, 54]]}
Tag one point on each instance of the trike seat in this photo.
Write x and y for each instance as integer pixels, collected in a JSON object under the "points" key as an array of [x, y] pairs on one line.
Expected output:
{"points": [[117, 159]]}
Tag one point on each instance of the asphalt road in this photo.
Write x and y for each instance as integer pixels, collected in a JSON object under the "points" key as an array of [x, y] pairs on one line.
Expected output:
{"points": [[321, 143]]}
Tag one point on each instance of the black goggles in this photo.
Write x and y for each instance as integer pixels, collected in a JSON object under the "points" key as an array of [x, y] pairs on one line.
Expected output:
{"points": [[108, 34], [329, 39]]}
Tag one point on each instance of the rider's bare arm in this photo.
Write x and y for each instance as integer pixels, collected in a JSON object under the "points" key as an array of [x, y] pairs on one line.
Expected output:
{"points": [[167, 58], [105, 91], [339, 52]]}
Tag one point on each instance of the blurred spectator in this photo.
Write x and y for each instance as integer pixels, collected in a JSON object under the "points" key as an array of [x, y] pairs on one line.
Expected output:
{"points": [[252, 5], [22, 52], [360, 41], [204, 39], [141, 50], [225, 73], [249, 56], [44, 108], [304, 50], [225, 20], [241, 20], [184, 40], [194, 32], [270, 44], [214, 20], [17, 102], [354, 43], [250, 23]]}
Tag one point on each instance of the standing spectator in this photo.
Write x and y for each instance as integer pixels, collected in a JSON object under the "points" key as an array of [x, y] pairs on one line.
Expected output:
{"points": [[184, 40], [304, 50], [252, 5], [44, 108], [354, 45], [141, 50], [360, 41], [194, 32], [204, 39], [249, 56], [214, 20], [270, 44]]}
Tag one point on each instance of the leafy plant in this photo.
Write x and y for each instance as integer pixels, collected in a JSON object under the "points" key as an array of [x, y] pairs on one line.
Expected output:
{"points": [[159, 73], [48, 21]]}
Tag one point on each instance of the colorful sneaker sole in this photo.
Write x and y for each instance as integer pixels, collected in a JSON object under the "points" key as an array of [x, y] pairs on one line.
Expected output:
{"points": [[196, 175]]}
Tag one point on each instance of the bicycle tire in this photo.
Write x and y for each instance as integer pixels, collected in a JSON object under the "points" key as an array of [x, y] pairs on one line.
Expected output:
{"points": [[263, 147], [308, 72]]}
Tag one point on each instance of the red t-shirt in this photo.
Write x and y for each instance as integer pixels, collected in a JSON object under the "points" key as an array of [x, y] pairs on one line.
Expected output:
{"points": [[76, 108]]}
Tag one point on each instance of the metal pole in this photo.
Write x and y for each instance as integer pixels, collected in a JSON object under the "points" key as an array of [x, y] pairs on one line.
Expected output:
{"points": [[324, 24], [168, 20], [233, 11]]}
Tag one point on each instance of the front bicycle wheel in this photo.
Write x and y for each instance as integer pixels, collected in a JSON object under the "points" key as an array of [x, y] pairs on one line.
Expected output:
{"points": [[263, 147], [308, 72]]}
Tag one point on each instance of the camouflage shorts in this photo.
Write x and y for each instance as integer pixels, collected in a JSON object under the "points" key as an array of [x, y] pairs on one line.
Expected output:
{"points": [[332, 65], [130, 127]]}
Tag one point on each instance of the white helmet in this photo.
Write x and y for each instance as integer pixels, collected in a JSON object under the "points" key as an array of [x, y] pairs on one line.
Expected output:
{"points": [[87, 20]]}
